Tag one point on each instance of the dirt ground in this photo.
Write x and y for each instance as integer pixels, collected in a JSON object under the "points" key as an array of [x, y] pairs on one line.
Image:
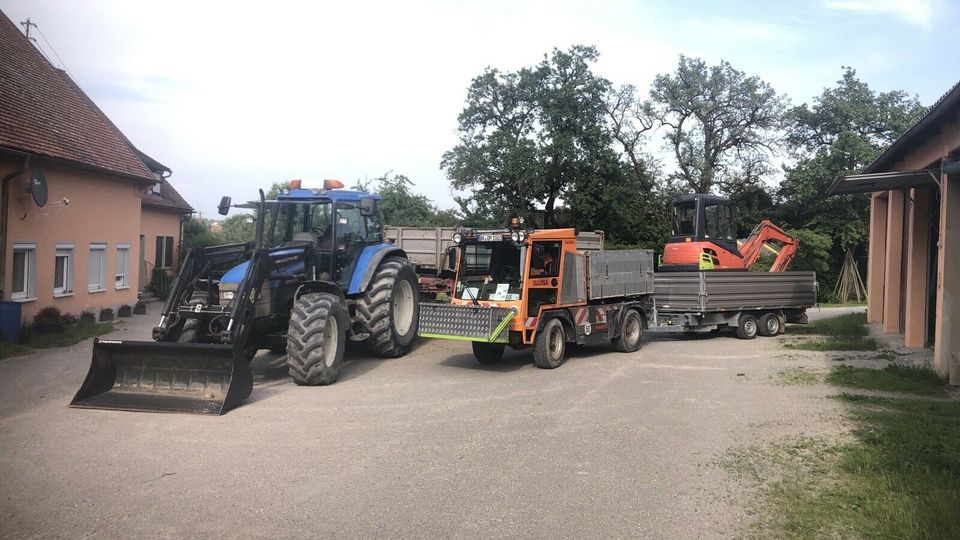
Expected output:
{"points": [[429, 445]]}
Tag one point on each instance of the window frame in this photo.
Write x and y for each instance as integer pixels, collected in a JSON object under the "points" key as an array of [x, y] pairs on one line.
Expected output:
{"points": [[163, 258], [65, 251], [29, 291], [101, 248], [125, 258]]}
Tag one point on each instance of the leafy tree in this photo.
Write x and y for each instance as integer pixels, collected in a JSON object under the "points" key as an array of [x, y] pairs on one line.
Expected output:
{"points": [[196, 234], [528, 137], [844, 130], [721, 124], [402, 207], [239, 228]]}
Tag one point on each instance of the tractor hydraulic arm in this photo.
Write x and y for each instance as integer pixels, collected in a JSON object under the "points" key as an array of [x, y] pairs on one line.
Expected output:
{"points": [[763, 233]]}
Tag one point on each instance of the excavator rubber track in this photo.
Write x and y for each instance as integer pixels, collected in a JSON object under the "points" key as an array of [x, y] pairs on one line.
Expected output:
{"points": [[165, 377]]}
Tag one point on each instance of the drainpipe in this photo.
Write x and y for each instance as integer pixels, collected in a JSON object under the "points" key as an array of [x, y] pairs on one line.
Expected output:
{"points": [[4, 216]]}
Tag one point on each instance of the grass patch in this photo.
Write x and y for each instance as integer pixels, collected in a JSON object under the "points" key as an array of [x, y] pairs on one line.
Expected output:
{"points": [[893, 378], [898, 478], [846, 325], [799, 376], [12, 349], [833, 344], [70, 335], [845, 332]]}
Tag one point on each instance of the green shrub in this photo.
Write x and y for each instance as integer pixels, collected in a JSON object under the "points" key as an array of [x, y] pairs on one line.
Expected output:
{"points": [[49, 315], [160, 283], [88, 317]]}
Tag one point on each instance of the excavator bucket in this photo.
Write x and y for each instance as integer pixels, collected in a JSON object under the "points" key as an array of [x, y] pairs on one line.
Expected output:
{"points": [[165, 377]]}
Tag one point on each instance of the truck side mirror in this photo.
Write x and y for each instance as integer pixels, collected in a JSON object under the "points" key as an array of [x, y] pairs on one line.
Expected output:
{"points": [[224, 206], [536, 256], [451, 258], [368, 206]]}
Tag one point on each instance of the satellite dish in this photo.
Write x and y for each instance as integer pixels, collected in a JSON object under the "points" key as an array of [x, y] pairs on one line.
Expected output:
{"points": [[38, 187]]}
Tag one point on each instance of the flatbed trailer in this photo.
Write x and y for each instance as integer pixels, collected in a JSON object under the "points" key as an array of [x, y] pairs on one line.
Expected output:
{"points": [[751, 302]]}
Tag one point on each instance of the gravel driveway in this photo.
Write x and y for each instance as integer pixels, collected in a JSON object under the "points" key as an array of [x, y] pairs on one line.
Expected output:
{"points": [[430, 445]]}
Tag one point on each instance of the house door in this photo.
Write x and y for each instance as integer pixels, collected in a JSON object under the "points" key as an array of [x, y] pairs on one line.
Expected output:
{"points": [[143, 264]]}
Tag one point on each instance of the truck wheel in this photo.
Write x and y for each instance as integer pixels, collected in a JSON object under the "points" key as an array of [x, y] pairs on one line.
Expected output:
{"points": [[769, 324], [748, 327], [315, 339], [631, 330], [191, 331], [488, 353], [550, 345], [389, 309]]}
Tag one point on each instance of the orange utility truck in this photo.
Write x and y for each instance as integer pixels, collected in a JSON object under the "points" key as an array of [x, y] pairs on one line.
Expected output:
{"points": [[532, 288]]}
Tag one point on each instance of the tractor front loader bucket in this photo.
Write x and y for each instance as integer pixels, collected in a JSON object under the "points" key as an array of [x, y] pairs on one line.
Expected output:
{"points": [[165, 377]]}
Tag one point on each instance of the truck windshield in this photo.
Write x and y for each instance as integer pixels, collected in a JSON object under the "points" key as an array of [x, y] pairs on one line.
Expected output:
{"points": [[491, 271]]}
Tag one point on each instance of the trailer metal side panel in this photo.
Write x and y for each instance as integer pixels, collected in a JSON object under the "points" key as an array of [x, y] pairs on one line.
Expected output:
{"points": [[679, 291], [426, 246], [734, 291], [590, 240], [619, 274]]}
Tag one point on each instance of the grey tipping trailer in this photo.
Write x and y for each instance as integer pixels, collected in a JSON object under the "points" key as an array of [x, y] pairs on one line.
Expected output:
{"points": [[750, 302]]}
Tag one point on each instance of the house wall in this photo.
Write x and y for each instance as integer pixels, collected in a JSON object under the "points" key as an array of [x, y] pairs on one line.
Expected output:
{"points": [[155, 222], [898, 255], [102, 209]]}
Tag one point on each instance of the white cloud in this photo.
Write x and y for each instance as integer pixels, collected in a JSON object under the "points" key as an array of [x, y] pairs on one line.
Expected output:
{"points": [[917, 12]]}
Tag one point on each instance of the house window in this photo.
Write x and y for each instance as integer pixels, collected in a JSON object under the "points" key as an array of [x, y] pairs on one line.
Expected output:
{"points": [[63, 270], [97, 262], [24, 272], [164, 257], [121, 278]]}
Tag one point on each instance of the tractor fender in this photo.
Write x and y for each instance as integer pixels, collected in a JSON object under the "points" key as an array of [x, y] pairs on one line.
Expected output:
{"points": [[308, 287], [367, 265]]}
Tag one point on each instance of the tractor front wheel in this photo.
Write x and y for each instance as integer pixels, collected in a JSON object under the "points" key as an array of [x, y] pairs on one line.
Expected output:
{"points": [[389, 309], [550, 345], [488, 353], [315, 339], [192, 330]]}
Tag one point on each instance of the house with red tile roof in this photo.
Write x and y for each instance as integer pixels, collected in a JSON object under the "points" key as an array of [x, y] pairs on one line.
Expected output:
{"points": [[84, 215]]}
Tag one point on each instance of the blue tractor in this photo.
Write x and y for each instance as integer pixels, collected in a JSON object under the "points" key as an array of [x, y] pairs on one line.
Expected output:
{"points": [[317, 275]]}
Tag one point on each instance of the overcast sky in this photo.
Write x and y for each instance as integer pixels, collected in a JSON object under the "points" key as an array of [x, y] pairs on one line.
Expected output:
{"points": [[234, 96]]}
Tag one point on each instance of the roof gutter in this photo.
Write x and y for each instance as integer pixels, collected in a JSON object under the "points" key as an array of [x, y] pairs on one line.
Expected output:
{"points": [[5, 215]]}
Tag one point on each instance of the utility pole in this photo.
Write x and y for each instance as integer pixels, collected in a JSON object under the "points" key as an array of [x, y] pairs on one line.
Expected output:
{"points": [[27, 24]]}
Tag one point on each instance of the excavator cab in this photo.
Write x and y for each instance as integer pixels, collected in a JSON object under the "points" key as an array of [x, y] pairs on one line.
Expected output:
{"points": [[704, 237]]}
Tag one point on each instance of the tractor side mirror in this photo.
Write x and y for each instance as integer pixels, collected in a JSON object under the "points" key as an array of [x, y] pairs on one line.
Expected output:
{"points": [[368, 206], [224, 206], [536, 256]]}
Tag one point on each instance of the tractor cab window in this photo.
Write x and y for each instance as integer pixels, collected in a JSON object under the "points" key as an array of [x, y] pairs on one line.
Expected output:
{"points": [[685, 219], [549, 264], [350, 229], [374, 229], [718, 219], [491, 271]]}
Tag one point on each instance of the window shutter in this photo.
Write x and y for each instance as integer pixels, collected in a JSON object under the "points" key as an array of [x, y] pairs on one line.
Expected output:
{"points": [[158, 260], [168, 252]]}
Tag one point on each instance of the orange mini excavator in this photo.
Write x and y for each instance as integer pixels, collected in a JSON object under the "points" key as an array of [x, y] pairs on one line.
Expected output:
{"points": [[704, 237]]}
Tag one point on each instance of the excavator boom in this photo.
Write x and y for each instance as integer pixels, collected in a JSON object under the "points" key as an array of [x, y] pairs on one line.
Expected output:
{"points": [[763, 233]]}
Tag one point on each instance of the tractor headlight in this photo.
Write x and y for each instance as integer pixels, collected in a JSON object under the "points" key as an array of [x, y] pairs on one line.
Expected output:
{"points": [[226, 296], [515, 236], [457, 238], [522, 235]]}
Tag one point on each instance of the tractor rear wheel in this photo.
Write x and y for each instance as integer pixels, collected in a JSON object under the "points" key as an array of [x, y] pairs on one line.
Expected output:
{"points": [[315, 339], [389, 309], [747, 328], [488, 353], [549, 347]]}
